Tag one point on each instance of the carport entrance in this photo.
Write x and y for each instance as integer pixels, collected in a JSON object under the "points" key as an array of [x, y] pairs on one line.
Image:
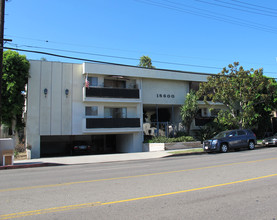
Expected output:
{"points": [[51, 146]]}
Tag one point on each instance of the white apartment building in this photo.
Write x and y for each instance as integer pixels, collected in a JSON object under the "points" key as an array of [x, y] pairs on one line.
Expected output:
{"points": [[120, 105]]}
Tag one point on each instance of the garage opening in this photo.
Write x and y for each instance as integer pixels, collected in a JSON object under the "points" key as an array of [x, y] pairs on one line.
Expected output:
{"points": [[70, 145]]}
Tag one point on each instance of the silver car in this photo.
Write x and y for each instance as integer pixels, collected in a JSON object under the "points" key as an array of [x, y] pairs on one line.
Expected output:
{"points": [[270, 141]]}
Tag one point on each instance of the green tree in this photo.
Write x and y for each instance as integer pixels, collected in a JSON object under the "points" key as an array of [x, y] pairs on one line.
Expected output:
{"points": [[146, 62], [265, 110], [15, 77], [189, 110], [241, 92]]}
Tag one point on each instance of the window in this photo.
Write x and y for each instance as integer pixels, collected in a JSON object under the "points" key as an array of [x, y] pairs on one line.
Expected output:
{"points": [[232, 134], [93, 81], [204, 112], [194, 86], [114, 83], [91, 110], [214, 112], [241, 133], [115, 112]]}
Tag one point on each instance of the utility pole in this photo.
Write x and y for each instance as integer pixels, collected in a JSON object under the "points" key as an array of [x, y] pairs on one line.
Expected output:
{"points": [[2, 18]]}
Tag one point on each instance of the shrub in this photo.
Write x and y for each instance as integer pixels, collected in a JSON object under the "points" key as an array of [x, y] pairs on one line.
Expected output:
{"points": [[20, 148], [208, 131], [162, 139]]}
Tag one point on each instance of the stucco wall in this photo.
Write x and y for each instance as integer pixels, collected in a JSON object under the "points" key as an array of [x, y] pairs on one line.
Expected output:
{"points": [[166, 92], [51, 113]]}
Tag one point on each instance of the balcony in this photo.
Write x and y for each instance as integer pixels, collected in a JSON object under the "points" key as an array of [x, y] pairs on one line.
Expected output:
{"points": [[102, 92], [112, 123]]}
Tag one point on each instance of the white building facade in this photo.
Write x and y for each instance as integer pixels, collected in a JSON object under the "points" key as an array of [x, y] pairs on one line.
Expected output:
{"points": [[120, 105]]}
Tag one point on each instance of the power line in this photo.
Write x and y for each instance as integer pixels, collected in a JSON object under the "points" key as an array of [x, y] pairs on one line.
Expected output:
{"points": [[258, 6], [251, 8], [162, 54], [110, 63], [212, 16], [97, 61], [224, 15], [239, 9], [126, 58]]}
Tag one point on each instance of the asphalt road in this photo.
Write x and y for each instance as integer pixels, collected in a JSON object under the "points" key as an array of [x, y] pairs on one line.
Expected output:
{"points": [[235, 185]]}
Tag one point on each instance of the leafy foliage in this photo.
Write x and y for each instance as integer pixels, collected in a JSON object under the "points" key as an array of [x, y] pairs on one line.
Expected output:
{"points": [[208, 131], [242, 92], [162, 139], [189, 110], [146, 62], [15, 77]]}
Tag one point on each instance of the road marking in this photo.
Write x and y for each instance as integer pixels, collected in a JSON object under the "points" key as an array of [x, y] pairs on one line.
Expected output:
{"points": [[49, 210], [116, 168], [128, 177], [92, 204]]}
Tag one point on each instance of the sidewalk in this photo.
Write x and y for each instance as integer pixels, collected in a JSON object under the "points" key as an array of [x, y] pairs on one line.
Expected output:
{"points": [[86, 159], [102, 158]]}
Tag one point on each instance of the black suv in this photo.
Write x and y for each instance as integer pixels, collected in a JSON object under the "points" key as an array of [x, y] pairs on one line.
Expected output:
{"points": [[233, 139]]}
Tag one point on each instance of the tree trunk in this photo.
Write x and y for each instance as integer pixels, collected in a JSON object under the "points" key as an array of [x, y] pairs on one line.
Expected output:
{"points": [[15, 133], [187, 129]]}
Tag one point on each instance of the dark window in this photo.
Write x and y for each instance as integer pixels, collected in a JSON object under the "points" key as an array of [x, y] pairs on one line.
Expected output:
{"points": [[241, 133], [91, 110], [214, 112], [93, 81], [194, 86], [115, 112], [114, 83]]}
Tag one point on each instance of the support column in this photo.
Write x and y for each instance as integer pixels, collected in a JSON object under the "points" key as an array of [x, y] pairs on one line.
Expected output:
{"points": [[157, 118]]}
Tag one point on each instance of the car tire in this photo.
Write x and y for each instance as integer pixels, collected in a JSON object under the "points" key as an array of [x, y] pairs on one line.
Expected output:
{"points": [[224, 148], [251, 145]]}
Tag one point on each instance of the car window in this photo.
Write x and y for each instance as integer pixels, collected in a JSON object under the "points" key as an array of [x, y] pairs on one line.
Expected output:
{"points": [[241, 133], [221, 134], [232, 134]]}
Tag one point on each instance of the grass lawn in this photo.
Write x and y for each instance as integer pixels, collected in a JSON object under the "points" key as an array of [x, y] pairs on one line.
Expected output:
{"points": [[189, 151]]}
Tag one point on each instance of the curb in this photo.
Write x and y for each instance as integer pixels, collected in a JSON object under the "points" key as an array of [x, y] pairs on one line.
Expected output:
{"points": [[28, 166]]}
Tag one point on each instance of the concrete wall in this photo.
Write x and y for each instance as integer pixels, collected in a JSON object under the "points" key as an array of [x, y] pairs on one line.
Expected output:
{"points": [[128, 143], [164, 92], [103, 69], [52, 114]]}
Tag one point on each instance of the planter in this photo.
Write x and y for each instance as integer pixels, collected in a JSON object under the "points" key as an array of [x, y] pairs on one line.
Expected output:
{"points": [[147, 147], [6, 144], [182, 145], [29, 154]]}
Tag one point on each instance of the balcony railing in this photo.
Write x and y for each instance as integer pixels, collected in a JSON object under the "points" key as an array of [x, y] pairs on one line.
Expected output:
{"points": [[112, 123], [112, 92]]}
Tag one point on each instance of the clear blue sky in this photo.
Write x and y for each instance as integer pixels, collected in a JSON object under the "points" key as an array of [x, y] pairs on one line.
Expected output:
{"points": [[189, 33]]}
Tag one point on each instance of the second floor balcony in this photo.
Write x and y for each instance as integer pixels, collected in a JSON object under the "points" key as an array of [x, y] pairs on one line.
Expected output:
{"points": [[105, 92], [96, 123]]}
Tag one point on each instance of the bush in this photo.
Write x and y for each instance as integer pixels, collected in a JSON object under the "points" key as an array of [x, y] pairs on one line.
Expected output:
{"points": [[20, 148], [181, 133], [162, 139], [208, 131]]}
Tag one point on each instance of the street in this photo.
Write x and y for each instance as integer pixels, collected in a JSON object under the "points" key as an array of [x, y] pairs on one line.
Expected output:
{"points": [[235, 185]]}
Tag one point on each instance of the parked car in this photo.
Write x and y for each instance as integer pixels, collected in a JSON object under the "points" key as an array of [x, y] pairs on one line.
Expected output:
{"points": [[80, 147], [233, 139], [270, 141]]}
